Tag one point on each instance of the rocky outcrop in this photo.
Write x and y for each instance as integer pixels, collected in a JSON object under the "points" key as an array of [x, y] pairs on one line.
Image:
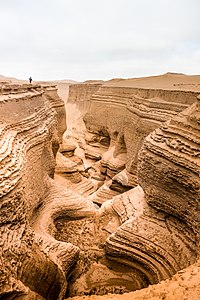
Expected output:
{"points": [[127, 115], [33, 265], [169, 167], [50, 229], [165, 237], [154, 228], [155, 244]]}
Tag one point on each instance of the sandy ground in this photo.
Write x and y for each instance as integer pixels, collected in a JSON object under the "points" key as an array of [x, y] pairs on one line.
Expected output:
{"points": [[168, 81]]}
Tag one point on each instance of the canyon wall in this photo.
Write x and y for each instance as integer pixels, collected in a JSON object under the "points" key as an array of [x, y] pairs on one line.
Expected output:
{"points": [[53, 237], [156, 234], [126, 115], [169, 167], [33, 265]]}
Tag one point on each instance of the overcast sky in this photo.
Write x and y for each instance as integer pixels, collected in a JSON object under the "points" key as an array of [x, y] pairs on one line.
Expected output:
{"points": [[98, 39]]}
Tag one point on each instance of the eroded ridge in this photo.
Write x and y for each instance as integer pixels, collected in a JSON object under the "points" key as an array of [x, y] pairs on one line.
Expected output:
{"points": [[165, 238], [152, 231], [169, 167], [125, 115], [135, 237], [32, 265]]}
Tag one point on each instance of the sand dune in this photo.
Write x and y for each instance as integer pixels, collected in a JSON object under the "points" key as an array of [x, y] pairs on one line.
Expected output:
{"points": [[169, 81]]}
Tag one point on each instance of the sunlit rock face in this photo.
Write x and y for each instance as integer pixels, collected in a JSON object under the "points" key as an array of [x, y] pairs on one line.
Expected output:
{"points": [[165, 238], [73, 219], [169, 167], [150, 229], [32, 263], [127, 115]]}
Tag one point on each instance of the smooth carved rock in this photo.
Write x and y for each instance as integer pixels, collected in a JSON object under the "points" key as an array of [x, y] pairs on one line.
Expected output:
{"points": [[148, 240], [33, 265], [184, 284], [103, 193], [157, 245], [76, 183], [125, 179]]}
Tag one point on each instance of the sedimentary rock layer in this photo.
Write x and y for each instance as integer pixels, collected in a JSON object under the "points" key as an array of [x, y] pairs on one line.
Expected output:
{"points": [[184, 285], [169, 167], [156, 229], [151, 231], [32, 264], [126, 115]]}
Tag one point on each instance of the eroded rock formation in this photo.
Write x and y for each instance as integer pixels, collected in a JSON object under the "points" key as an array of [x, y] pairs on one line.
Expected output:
{"points": [[53, 237], [171, 154], [160, 235], [126, 115], [33, 264]]}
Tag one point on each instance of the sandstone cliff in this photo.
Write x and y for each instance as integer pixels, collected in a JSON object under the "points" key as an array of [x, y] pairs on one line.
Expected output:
{"points": [[126, 114], [156, 234], [33, 265], [53, 238]]}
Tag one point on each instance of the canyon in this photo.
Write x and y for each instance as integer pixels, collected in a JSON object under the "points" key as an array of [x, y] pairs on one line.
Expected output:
{"points": [[107, 206]]}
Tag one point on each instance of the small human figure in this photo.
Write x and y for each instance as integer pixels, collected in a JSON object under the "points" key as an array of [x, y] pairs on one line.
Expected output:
{"points": [[30, 79]]}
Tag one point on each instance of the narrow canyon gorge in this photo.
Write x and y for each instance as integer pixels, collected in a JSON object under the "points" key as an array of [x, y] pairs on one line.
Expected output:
{"points": [[100, 189]]}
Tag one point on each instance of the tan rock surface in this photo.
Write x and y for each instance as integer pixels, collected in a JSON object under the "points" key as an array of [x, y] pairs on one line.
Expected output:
{"points": [[128, 110], [158, 243], [184, 285], [171, 154], [50, 229], [33, 265]]}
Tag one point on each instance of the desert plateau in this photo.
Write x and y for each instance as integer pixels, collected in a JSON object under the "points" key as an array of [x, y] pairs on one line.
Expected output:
{"points": [[100, 189]]}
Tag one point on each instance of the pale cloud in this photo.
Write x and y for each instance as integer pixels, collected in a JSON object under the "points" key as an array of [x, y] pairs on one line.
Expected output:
{"points": [[92, 39]]}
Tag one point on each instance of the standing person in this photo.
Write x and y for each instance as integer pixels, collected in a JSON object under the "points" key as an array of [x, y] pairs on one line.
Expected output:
{"points": [[30, 79]]}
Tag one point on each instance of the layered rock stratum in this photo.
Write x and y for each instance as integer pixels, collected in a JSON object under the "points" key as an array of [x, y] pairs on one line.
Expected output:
{"points": [[111, 208], [33, 264]]}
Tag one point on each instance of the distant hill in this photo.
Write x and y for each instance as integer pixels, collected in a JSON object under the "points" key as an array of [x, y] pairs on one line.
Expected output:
{"points": [[12, 79], [168, 81], [15, 80]]}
